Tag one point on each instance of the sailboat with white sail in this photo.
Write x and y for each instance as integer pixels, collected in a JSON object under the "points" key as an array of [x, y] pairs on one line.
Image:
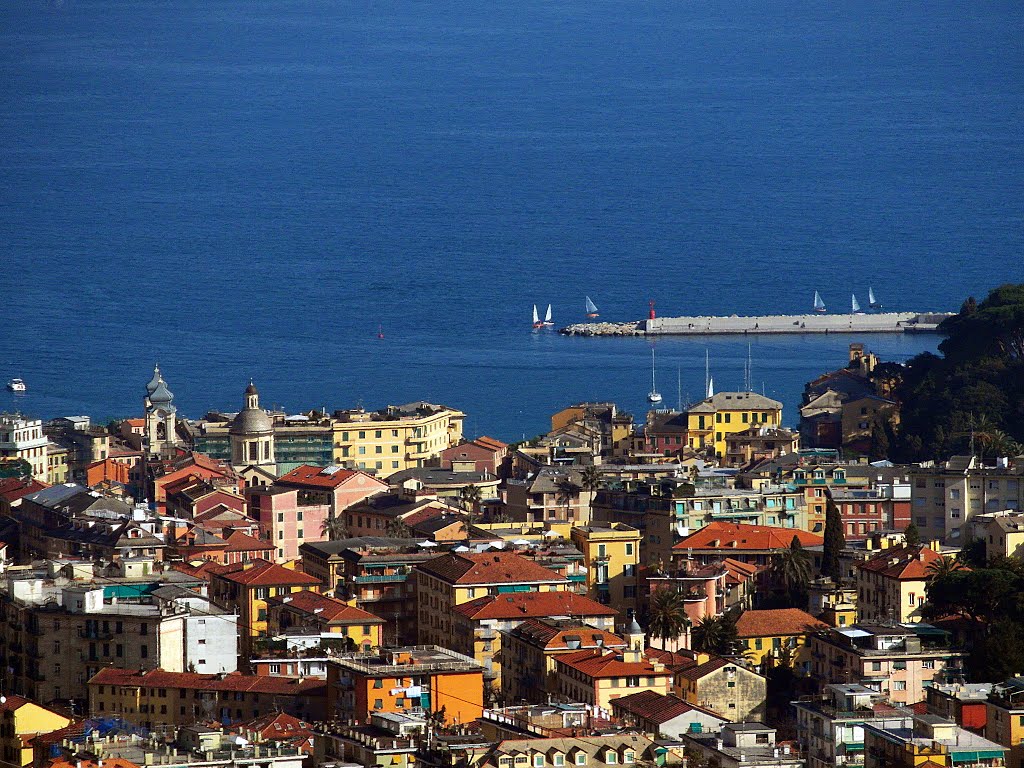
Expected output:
{"points": [[873, 303], [819, 305], [547, 318], [536, 318], [854, 305], [591, 308], [653, 396]]}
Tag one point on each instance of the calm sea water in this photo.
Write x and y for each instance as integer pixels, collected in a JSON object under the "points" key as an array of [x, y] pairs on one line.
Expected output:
{"points": [[250, 188]]}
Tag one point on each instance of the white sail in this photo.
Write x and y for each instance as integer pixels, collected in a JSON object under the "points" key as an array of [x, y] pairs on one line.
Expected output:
{"points": [[818, 303], [591, 307], [547, 315], [536, 317], [854, 306], [871, 296], [654, 396], [711, 386]]}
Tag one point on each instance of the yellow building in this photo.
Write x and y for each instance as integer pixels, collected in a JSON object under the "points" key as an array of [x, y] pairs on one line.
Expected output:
{"points": [[56, 464], [458, 577], [776, 633], [611, 554], [1004, 719], [615, 428], [247, 587], [317, 613], [22, 720], [892, 585], [710, 420], [23, 438], [395, 438]]}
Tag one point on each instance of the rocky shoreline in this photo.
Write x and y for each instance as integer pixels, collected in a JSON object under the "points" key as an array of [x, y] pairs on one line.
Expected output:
{"points": [[604, 329]]}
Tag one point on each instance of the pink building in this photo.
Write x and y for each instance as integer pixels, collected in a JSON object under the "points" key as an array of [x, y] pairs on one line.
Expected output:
{"points": [[485, 454], [294, 509]]}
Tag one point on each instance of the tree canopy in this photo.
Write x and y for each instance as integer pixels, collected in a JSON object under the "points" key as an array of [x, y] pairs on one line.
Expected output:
{"points": [[974, 392]]}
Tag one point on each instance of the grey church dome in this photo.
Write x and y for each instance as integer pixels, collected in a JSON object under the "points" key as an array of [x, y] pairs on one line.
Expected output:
{"points": [[161, 395], [251, 421]]}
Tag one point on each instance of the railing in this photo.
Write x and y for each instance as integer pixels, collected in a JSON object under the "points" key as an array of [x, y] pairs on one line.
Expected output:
{"points": [[387, 578]]}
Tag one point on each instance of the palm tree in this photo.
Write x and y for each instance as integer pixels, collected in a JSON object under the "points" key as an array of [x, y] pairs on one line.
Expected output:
{"points": [[471, 496], [945, 565], [792, 568], [667, 615], [334, 528], [590, 478], [397, 529], [567, 491], [715, 634]]}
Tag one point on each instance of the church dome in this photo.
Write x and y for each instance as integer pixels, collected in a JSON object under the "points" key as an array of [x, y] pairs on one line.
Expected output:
{"points": [[251, 389], [251, 421], [161, 395], [154, 382]]}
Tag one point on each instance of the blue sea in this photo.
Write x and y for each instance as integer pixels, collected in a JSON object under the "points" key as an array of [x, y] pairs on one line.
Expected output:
{"points": [[247, 189]]}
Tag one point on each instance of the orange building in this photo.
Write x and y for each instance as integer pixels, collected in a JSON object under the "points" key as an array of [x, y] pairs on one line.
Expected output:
{"points": [[400, 679]]}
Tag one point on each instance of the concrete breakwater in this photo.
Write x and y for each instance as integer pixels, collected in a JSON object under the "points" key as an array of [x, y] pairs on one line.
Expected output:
{"points": [[882, 322]]}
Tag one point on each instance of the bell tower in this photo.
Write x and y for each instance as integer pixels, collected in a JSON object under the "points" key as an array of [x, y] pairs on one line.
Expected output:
{"points": [[160, 434]]}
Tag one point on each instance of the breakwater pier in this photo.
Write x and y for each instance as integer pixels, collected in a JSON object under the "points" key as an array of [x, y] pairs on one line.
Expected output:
{"points": [[880, 322]]}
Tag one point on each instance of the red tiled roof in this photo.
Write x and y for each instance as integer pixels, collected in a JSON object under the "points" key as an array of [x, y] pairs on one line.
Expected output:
{"points": [[610, 664], [490, 443], [326, 608], [12, 702], [522, 605], [556, 638], [777, 622], [109, 762], [307, 474], [275, 726], [698, 671], [13, 488], [907, 562], [657, 707], [233, 681], [674, 660], [488, 568], [742, 536], [239, 541], [261, 573], [739, 572]]}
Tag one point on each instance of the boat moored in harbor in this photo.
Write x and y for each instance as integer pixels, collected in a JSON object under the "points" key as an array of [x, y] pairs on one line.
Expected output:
{"points": [[16, 385]]}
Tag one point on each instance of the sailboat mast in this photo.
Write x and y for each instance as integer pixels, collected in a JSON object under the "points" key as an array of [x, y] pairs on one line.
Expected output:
{"points": [[679, 386], [707, 370]]}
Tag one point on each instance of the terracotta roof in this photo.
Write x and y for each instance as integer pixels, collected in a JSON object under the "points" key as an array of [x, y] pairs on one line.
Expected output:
{"points": [[738, 572], [491, 443], [320, 477], [275, 726], [13, 488], [777, 622], [12, 702], [488, 568], [262, 573], [674, 660], [908, 562], [237, 541], [521, 605], [555, 636], [609, 664], [656, 707], [741, 536], [702, 670], [233, 681], [327, 608]]}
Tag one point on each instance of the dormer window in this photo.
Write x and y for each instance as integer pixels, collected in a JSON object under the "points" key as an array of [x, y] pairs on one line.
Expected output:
{"points": [[581, 758], [611, 757], [538, 760], [629, 757]]}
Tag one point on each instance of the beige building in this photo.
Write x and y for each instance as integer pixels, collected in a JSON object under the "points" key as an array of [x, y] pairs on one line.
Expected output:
{"points": [[891, 585], [611, 555], [23, 438], [946, 497], [1004, 719], [895, 661], [1002, 532], [395, 438], [56, 464], [458, 577]]}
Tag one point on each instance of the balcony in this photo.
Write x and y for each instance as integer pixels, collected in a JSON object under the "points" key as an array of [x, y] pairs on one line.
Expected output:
{"points": [[95, 634], [388, 578]]}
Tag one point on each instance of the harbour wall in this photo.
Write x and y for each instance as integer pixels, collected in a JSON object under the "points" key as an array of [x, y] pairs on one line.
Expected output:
{"points": [[882, 322]]}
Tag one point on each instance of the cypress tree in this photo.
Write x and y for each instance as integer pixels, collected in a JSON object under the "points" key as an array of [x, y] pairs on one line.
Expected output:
{"points": [[912, 535], [834, 540]]}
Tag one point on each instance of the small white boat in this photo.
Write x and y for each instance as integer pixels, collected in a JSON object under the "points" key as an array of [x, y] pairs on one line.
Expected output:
{"points": [[591, 308], [819, 305], [547, 318], [653, 396], [536, 318], [872, 301], [854, 305], [16, 385]]}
